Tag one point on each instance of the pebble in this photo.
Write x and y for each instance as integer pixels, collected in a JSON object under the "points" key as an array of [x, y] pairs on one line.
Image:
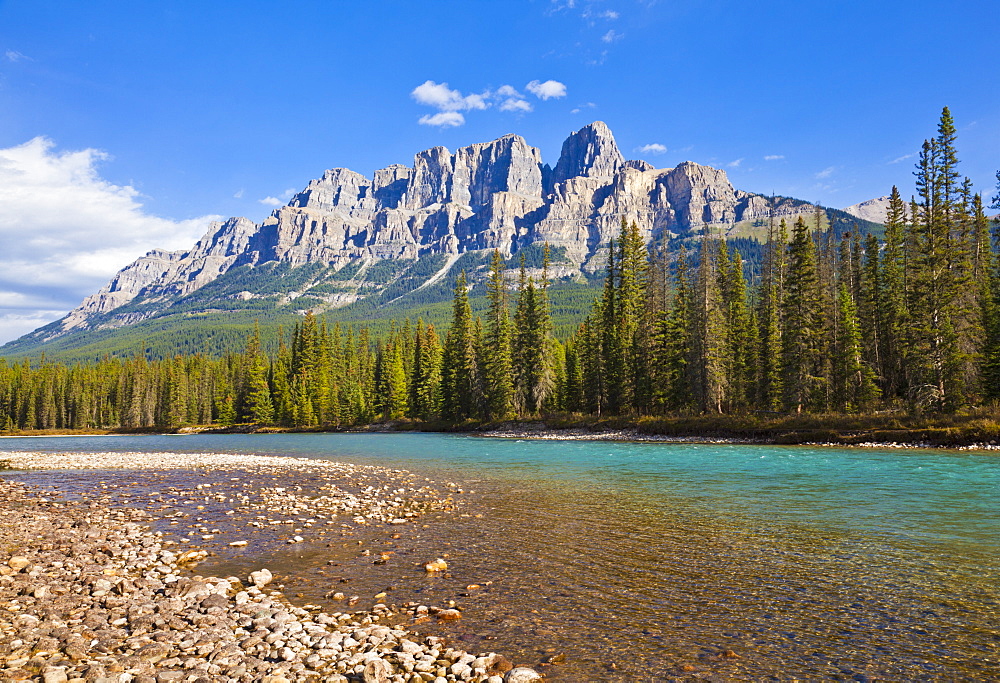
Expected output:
{"points": [[522, 674], [112, 602], [438, 565]]}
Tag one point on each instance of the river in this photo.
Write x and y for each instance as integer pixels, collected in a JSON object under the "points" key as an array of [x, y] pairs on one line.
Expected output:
{"points": [[649, 561]]}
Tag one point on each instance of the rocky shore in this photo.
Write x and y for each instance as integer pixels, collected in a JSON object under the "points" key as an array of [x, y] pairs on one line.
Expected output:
{"points": [[546, 434], [89, 592]]}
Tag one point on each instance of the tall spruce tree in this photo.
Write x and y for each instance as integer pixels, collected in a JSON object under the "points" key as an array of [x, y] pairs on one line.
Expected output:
{"points": [[497, 365], [459, 372], [803, 330]]}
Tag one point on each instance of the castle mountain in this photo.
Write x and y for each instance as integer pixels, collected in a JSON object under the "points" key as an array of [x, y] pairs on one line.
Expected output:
{"points": [[492, 195]]}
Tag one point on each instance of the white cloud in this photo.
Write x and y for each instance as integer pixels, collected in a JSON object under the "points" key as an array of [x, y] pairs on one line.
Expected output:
{"points": [[280, 200], [736, 163], [513, 104], [826, 172], [774, 157], [903, 158], [652, 148], [14, 325], [444, 119], [239, 194], [612, 36], [546, 90], [15, 56], [451, 103], [66, 231], [609, 15], [443, 98]]}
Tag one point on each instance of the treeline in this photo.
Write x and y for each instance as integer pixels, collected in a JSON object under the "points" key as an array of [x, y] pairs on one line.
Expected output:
{"points": [[832, 322]]}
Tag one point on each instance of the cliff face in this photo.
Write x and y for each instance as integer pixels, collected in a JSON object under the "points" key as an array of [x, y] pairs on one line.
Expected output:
{"points": [[490, 195], [873, 210]]}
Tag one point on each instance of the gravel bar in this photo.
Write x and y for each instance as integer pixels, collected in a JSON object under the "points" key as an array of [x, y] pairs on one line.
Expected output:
{"points": [[88, 593]]}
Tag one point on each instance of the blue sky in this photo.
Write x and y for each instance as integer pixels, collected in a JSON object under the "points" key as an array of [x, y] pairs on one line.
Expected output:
{"points": [[127, 125]]}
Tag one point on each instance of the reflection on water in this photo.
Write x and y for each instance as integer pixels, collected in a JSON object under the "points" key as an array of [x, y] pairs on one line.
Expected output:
{"points": [[645, 562]]}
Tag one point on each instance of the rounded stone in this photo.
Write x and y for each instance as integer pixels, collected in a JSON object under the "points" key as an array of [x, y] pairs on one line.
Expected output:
{"points": [[377, 671], [522, 674]]}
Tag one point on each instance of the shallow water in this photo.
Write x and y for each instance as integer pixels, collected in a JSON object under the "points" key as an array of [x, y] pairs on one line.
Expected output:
{"points": [[659, 561]]}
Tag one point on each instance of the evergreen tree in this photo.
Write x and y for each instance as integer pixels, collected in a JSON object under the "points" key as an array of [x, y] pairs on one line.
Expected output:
{"points": [[802, 324], [497, 364], [710, 342], [769, 307], [853, 381], [459, 371], [259, 408]]}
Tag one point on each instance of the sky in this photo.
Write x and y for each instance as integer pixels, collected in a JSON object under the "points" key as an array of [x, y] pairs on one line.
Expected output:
{"points": [[128, 126]]}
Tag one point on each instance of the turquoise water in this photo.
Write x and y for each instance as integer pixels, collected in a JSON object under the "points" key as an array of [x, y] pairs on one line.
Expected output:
{"points": [[935, 495], [647, 560]]}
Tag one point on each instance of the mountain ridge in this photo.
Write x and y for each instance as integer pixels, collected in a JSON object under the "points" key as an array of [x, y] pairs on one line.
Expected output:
{"points": [[484, 196]]}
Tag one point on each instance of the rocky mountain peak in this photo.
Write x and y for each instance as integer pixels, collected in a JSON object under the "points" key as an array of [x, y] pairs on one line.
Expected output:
{"points": [[484, 196], [872, 210], [590, 151]]}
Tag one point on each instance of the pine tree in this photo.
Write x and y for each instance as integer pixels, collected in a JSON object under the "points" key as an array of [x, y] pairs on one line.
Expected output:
{"points": [[532, 344], [426, 401], [459, 371], [396, 390], [710, 342], [630, 298], [802, 324], [497, 365], [258, 406], [673, 344], [740, 333], [769, 389], [936, 274], [853, 381]]}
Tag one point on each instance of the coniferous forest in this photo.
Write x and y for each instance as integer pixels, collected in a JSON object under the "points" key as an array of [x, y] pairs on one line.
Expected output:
{"points": [[830, 323]]}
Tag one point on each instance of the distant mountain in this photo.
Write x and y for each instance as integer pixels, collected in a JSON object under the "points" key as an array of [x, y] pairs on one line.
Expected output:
{"points": [[873, 210], [369, 244]]}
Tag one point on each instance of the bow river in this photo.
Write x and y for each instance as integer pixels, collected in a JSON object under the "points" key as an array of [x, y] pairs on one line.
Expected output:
{"points": [[621, 561]]}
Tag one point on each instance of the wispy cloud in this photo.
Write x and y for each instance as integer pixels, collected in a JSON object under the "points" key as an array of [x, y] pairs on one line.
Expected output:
{"points": [[593, 14], [735, 163], [15, 56], [278, 201], [560, 5], [826, 172], [515, 105], [66, 230], [652, 148], [612, 36], [451, 103], [774, 157], [444, 119], [238, 194], [512, 100], [903, 158], [579, 108]]}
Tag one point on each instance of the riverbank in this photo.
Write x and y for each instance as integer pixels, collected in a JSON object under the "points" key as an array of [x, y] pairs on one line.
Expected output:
{"points": [[977, 430], [91, 593]]}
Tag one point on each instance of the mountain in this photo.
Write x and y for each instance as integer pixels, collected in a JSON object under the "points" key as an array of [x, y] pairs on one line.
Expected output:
{"points": [[873, 210], [355, 244]]}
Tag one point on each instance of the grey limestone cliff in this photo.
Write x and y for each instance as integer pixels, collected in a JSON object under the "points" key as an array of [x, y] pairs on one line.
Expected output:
{"points": [[873, 210], [492, 195]]}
